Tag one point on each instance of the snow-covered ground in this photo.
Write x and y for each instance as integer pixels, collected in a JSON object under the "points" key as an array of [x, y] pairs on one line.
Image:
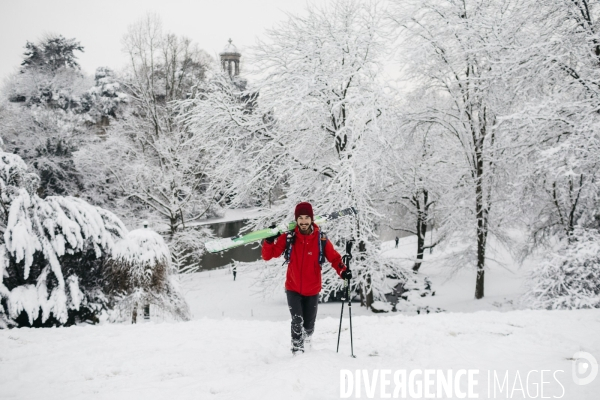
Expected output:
{"points": [[455, 290], [249, 359], [237, 346]]}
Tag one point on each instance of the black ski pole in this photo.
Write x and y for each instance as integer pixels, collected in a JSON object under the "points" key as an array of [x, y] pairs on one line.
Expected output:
{"points": [[350, 315], [349, 252], [346, 260], [341, 315]]}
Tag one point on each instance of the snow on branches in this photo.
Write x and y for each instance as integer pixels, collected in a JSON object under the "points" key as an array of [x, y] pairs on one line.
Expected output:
{"points": [[142, 273], [143, 248], [53, 254], [570, 277], [46, 244], [312, 133]]}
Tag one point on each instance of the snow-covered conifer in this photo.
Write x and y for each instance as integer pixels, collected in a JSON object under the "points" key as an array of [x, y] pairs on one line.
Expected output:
{"points": [[105, 98], [52, 250], [141, 273]]}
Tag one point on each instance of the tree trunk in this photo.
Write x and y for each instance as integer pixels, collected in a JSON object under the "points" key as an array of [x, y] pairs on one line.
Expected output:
{"points": [[369, 298], [421, 231], [134, 315], [420, 246], [173, 223], [366, 293], [481, 224]]}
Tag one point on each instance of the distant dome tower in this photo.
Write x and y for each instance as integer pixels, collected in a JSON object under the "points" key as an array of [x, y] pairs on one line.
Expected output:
{"points": [[230, 60]]}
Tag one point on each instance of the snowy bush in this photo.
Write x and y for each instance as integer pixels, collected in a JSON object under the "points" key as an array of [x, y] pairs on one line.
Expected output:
{"points": [[570, 277], [51, 251], [187, 248], [141, 273], [386, 274], [406, 294]]}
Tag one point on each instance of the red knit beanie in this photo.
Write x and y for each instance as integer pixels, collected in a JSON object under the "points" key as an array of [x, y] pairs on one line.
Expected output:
{"points": [[304, 209]]}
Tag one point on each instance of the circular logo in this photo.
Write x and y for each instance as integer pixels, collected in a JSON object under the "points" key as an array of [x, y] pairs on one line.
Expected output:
{"points": [[585, 368]]}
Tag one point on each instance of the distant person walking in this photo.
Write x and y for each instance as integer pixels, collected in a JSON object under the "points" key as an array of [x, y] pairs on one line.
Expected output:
{"points": [[234, 271], [397, 240]]}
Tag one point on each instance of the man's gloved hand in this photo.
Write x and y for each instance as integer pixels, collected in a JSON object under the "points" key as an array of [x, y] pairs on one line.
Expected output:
{"points": [[346, 274], [271, 239]]}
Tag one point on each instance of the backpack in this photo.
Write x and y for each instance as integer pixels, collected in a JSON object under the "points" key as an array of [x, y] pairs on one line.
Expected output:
{"points": [[289, 242]]}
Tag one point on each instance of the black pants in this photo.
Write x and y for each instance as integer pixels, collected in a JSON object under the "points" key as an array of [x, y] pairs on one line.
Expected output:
{"points": [[304, 313]]}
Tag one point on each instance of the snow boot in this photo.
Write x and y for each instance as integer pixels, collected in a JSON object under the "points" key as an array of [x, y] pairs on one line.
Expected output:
{"points": [[308, 343], [297, 348], [296, 351]]}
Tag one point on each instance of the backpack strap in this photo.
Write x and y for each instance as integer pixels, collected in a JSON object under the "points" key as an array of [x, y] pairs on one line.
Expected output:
{"points": [[322, 243], [289, 242]]}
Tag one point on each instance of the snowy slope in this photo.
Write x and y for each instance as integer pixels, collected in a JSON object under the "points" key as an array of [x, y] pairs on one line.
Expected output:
{"points": [[243, 359], [237, 346], [455, 290]]}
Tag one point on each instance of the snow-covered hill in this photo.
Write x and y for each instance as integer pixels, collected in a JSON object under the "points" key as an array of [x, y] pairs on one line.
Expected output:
{"points": [[237, 346], [249, 359]]}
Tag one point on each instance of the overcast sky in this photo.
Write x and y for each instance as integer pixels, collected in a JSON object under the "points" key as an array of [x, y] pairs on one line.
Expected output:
{"points": [[100, 25]]}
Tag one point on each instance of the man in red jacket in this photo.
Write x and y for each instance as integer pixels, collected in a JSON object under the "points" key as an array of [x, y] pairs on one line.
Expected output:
{"points": [[303, 278]]}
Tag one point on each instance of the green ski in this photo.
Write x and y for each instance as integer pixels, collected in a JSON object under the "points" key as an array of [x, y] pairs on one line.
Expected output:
{"points": [[216, 246]]}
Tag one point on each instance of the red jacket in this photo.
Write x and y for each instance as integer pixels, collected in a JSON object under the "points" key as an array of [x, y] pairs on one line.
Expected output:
{"points": [[304, 272]]}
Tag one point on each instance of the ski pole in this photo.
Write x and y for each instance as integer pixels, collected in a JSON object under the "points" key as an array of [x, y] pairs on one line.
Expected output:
{"points": [[346, 260], [341, 315], [350, 315]]}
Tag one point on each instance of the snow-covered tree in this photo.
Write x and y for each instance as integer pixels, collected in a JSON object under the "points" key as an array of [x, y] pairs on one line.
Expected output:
{"points": [[105, 99], [148, 156], [162, 178], [558, 72], [51, 252], [569, 277], [416, 179], [456, 52], [50, 75], [141, 273], [43, 118], [313, 134], [45, 139], [53, 52]]}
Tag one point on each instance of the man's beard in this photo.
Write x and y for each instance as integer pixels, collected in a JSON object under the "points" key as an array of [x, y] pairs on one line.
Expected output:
{"points": [[304, 228]]}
